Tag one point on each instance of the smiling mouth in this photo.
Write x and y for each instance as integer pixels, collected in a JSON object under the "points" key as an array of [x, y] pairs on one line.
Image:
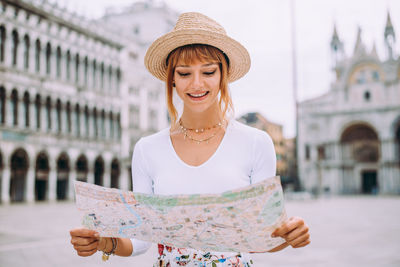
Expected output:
{"points": [[198, 95]]}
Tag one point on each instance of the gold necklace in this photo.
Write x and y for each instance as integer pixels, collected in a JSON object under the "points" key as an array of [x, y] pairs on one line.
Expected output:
{"points": [[198, 141], [201, 130]]}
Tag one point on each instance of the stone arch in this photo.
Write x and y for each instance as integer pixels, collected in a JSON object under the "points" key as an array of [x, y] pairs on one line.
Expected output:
{"points": [[59, 115], [41, 176], [62, 175], [99, 171], [363, 141], [38, 49], [48, 58], [361, 147], [1, 173], [58, 62], [81, 168], [38, 108], [19, 167], [396, 138], [115, 173]]}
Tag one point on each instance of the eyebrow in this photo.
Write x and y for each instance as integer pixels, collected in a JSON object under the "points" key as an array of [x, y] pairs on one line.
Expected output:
{"points": [[204, 65]]}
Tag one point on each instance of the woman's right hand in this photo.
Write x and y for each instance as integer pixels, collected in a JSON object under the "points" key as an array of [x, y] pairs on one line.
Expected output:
{"points": [[85, 241]]}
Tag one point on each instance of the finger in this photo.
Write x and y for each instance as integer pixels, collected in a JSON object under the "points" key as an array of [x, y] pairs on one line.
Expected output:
{"points": [[296, 233], [83, 232], [86, 248], [303, 244], [299, 240], [83, 241], [289, 226], [86, 253]]}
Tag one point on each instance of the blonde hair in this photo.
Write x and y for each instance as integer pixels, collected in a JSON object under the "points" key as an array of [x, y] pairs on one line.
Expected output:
{"points": [[188, 54]]}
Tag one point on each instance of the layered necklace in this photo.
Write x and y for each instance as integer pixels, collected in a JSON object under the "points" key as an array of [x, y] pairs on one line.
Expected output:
{"points": [[186, 132]]}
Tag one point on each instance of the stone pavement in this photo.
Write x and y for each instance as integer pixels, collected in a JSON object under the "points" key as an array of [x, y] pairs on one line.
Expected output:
{"points": [[345, 231]]}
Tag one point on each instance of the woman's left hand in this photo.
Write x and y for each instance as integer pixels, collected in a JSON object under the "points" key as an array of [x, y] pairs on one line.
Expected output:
{"points": [[295, 232]]}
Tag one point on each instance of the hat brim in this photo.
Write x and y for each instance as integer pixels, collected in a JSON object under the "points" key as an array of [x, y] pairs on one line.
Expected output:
{"points": [[156, 55]]}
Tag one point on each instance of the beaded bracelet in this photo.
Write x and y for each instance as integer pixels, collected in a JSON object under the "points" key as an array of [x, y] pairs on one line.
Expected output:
{"points": [[106, 255]]}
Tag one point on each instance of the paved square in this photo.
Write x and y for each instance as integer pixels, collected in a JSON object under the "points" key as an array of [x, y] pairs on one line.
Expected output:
{"points": [[345, 231]]}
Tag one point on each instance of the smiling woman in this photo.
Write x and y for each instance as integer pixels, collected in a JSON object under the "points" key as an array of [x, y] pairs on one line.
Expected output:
{"points": [[205, 151]]}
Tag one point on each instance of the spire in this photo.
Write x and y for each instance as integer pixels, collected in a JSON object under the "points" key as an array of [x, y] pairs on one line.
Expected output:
{"points": [[336, 47], [390, 37], [374, 52], [359, 48]]}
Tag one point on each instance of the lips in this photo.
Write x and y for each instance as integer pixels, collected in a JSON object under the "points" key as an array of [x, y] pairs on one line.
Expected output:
{"points": [[198, 96]]}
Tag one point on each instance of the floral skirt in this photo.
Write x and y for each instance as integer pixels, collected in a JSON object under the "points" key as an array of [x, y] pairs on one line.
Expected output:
{"points": [[172, 257]]}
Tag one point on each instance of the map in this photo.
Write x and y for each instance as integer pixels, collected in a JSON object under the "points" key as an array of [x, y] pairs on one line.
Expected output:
{"points": [[240, 220]]}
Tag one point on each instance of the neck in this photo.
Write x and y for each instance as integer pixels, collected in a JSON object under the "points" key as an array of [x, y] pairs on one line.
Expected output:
{"points": [[199, 120]]}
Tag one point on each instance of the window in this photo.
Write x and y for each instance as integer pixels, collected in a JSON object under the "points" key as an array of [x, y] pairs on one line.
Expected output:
{"points": [[48, 113], [95, 124], [367, 96], [118, 80], [102, 76], [48, 59], [110, 73], [361, 79], [14, 107], [59, 117], [2, 42], [87, 120], [2, 105], [38, 108], [26, 52], [134, 117], [77, 120], [308, 152], [85, 69], [37, 55], [321, 152], [111, 120], [58, 62], [14, 48], [103, 124], [375, 76], [94, 73], [77, 68], [26, 109], [68, 113], [68, 65]]}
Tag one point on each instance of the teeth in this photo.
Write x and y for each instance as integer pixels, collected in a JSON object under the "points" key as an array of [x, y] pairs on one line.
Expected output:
{"points": [[199, 95]]}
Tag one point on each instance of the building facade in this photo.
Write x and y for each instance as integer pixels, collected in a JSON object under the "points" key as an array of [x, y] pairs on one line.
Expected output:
{"points": [[349, 138], [66, 91]]}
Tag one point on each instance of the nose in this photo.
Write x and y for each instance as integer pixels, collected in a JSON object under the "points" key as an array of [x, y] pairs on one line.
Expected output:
{"points": [[197, 81]]}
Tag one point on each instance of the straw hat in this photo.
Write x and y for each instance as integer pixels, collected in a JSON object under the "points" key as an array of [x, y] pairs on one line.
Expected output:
{"points": [[196, 28]]}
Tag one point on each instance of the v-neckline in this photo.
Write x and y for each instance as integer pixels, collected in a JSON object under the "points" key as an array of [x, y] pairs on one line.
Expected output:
{"points": [[209, 158]]}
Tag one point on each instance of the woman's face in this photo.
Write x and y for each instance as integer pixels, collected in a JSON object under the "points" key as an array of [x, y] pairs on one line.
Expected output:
{"points": [[198, 84]]}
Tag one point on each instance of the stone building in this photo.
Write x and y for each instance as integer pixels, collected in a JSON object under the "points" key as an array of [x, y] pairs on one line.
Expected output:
{"points": [[349, 138], [66, 97]]}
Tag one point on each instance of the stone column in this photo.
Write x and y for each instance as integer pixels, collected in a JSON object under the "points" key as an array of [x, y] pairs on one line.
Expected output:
{"points": [[52, 178], [71, 180], [5, 184], [8, 48], [124, 177], [30, 182], [90, 175], [32, 50], [107, 173], [9, 110], [43, 58], [82, 122], [21, 111], [32, 113]]}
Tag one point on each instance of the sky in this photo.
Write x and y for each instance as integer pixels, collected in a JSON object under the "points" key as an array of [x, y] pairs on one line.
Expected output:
{"points": [[264, 28]]}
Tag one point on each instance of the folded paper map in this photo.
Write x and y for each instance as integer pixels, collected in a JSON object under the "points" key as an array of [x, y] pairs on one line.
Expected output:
{"points": [[240, 220]]}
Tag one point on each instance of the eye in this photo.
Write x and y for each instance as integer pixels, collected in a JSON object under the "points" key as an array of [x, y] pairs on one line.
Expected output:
{"points": [[183, 74], [209, 73]]}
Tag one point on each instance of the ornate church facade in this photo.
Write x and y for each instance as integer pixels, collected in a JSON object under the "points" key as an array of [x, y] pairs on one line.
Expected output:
{"points": [[349, 138], [71, 104]]}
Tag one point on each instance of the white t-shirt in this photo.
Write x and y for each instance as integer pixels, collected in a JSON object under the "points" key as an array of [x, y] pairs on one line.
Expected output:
{"points": [[245, 155]]}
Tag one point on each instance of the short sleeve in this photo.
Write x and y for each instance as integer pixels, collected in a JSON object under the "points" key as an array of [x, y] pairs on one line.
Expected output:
{"points": [[141, 182], [264, 158]]}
